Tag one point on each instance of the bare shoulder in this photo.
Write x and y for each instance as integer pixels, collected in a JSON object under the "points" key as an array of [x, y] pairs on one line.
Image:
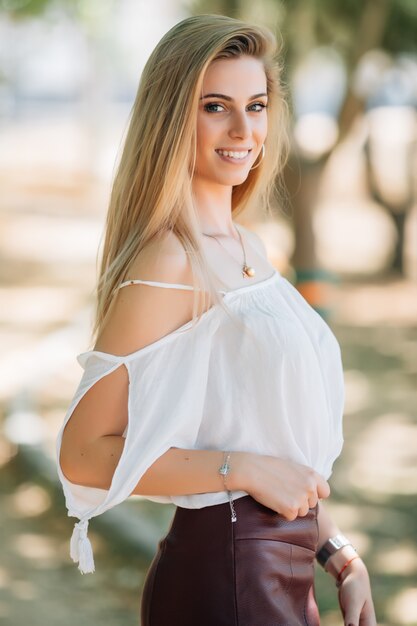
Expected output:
{"points": [[255, 240], [141, 313], [164, 259]]}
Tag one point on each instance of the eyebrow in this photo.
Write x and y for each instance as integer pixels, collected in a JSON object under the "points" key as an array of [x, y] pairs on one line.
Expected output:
{"points": [[221, 95]]}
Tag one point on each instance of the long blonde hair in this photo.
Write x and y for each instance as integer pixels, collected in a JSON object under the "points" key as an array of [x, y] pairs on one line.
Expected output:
{"points": [[160, 145]]}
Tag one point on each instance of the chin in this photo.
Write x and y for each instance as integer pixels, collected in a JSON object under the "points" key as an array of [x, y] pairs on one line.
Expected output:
{"points": [[229, 179], [232, 179], [235, 181]]}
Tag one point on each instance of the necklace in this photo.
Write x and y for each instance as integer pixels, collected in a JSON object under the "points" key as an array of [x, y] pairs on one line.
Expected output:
{"points": [[247, 272]]}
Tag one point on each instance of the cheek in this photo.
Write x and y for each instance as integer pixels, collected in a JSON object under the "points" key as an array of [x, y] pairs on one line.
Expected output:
{"points": [[261, 128], [207, 135]]}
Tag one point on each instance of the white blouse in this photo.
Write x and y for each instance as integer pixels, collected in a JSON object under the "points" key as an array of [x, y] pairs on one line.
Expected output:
{"points": [[274, 387]]}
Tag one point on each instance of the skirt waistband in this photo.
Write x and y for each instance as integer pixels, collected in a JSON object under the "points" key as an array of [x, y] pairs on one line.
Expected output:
{"points": [[254, 521]]}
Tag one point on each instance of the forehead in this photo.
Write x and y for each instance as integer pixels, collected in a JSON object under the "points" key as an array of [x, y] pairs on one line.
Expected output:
{"points": [[237, 77]]}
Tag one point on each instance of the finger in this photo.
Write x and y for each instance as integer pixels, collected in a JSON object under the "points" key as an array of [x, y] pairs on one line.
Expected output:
{"points": [[323, 487], [303, 510]]}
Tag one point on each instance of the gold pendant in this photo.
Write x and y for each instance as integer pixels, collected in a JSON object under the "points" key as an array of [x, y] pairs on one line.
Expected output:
{"points": [[248, 272]]}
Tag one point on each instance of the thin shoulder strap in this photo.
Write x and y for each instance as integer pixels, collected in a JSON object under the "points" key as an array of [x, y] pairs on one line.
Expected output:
{"points": [[155, 284]]}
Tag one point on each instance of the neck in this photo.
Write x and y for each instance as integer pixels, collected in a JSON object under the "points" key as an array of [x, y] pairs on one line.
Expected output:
{"points": [[214, 208]]}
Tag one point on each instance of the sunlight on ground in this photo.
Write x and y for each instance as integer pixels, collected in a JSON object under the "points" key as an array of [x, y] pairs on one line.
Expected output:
{"points": [[7, 451], [26, 368], [4, 578], [400, 559], [366, 305], [342, 237], [331, 618], [385, 458], [51, 239], [349, 513], [29, 500], [32, 546], [403, 607], [359, 393], [38, 306], [24, 590], [25, 427]]}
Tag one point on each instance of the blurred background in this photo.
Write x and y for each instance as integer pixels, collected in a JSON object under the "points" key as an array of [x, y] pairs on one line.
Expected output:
{"points": [[346, 237]]}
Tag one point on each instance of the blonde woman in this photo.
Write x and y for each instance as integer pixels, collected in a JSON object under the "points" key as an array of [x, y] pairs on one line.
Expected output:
{"points": [[212, 383]]}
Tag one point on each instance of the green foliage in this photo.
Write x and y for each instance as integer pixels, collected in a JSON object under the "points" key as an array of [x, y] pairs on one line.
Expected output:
{"points": [[24, 8], [400, 36], [345, 24]]}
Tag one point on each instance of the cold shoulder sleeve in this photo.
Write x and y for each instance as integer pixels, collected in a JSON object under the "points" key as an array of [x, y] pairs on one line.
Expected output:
{"points": [[167, 388]]}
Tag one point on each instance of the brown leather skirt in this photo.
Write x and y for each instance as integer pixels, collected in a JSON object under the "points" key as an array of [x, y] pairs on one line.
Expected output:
{"points": [[210, 571]]}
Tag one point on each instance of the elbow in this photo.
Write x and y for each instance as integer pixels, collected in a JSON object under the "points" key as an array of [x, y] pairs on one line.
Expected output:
{"points": [[69, 468], [91, 464], [72, 466]]}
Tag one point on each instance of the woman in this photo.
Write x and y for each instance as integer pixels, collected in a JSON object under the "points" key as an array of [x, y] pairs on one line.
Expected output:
{"points": [[212, 384]]}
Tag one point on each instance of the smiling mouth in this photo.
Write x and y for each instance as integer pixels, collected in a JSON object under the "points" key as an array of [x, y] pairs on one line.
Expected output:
{"points": [[235, 155]]}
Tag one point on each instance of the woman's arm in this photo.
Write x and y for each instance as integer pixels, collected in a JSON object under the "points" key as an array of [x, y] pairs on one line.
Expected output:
{"points": [[327, 529], [176, 472], [355, 596]]}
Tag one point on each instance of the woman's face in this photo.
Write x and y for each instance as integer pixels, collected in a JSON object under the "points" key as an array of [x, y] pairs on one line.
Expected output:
{"points": [[231, 118]]}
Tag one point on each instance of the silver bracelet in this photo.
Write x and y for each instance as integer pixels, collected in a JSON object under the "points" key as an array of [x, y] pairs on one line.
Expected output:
{"points": [[223, 470], [332, 545]]}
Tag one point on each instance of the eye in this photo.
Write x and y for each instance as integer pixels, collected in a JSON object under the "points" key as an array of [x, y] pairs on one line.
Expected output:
{"points": [[261, 106], [209, 107]]}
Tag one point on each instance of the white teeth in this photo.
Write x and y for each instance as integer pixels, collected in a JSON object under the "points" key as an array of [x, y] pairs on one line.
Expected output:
{"points": [[234, 155]]}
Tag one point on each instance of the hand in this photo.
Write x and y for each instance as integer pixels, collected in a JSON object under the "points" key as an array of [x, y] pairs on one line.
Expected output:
{"points": [[287, 487], [355, 598]]}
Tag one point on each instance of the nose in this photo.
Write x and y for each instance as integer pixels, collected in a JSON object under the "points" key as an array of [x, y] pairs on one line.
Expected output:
{"points": [[240, 126]]}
